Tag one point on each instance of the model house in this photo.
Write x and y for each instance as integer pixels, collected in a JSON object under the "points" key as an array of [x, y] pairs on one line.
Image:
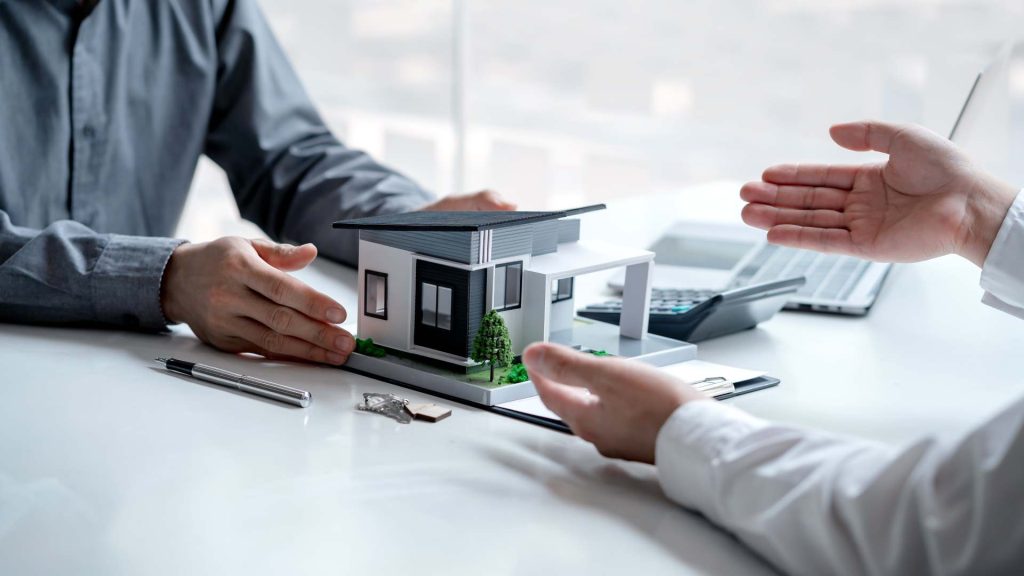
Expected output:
{"points": [[427, 278]]}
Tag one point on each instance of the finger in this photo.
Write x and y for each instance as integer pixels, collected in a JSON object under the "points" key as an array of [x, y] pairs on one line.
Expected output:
{"points": [[818, 197], [764, 217], [280, 345], [832, 176], [568, 402], [287, 321], [284, 256], [836, 240], [867, 135], [283, 289], [571, 367]]}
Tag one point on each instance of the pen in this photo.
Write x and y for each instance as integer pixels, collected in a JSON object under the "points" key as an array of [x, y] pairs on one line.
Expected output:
{"points": [[256, 386]]}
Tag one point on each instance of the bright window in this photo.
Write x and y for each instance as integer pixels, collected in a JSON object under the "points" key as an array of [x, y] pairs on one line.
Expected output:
{"points": [[508, 285], [561, 290], [436, 306], [375, 294]]}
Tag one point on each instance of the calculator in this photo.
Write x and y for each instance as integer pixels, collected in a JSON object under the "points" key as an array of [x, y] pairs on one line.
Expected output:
{"points": [[695, 315]]}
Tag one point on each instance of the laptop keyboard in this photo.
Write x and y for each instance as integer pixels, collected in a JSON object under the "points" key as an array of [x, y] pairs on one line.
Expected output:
{"points": [[829, 277]]}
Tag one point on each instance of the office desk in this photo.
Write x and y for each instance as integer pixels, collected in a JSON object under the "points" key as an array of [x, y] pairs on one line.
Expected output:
{"points": [[108, 465]]}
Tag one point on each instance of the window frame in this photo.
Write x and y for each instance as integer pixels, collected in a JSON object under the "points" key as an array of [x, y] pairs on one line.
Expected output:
{"points": [[555, 298], [366, 294], [437, 305], [505, 306]]}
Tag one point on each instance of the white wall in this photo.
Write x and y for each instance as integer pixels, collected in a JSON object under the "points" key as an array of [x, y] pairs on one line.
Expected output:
{"points": [[399, 265]]}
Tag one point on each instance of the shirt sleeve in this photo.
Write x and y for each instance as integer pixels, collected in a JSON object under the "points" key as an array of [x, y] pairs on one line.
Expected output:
{"points": [[1002, 276], [815, 503], [68, 274], [289, 174]]}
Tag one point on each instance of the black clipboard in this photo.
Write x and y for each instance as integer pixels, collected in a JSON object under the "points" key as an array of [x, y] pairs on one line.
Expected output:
{"points": [[745, 387]]}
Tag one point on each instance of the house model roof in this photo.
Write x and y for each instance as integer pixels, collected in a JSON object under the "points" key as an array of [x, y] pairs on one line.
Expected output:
{"points": [[457, 221]]}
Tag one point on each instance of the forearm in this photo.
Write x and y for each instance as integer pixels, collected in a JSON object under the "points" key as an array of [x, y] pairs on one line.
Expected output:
{"points": [[332, 183], [66, 274], [813, 503], [289, 174]]}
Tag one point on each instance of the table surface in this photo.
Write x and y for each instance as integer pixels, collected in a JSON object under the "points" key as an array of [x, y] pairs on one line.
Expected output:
{"points": [[110, 465]]}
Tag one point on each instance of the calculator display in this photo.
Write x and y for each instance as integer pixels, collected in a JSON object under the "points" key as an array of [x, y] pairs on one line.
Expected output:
{"points": [[695, 252]]}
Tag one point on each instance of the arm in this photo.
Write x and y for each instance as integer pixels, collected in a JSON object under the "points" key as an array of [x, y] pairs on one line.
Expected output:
{"points": [[810, 502], [814, 503], [289, 174], [67, 273]]}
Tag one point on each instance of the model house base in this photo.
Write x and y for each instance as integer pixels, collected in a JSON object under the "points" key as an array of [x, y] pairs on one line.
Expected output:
{"points": [[585, 335]]}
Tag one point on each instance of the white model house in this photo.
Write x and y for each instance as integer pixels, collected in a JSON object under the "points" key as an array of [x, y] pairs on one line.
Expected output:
{"points": [[427, 278]]}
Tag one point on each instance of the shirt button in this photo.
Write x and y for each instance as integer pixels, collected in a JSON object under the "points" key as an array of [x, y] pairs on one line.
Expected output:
{"points": [[89, 132]]}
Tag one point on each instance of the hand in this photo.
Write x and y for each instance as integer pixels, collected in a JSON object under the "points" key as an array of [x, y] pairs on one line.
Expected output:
{"points": [[927, 200], [235, 295], [627, 403], [484, 200]]}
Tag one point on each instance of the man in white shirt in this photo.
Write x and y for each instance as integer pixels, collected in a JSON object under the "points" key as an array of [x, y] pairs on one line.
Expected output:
{"points": [[811, 502]]}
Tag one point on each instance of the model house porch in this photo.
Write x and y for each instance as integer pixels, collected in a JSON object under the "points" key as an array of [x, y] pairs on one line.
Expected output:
{"points": [[427, 278]]}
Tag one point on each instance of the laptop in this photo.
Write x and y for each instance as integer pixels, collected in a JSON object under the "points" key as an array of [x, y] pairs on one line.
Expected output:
{"points": [[700, 256]]}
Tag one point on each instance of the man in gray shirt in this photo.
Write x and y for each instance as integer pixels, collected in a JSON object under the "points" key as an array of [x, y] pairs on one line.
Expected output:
{"points": [[105, 108]]}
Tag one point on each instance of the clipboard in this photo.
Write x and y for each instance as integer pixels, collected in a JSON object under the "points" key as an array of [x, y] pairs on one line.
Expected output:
{"points": [[745, 387]]}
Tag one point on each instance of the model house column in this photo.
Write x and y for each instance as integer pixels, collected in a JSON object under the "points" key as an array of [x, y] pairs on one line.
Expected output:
{"points": [[536, 307], [636, 300]]}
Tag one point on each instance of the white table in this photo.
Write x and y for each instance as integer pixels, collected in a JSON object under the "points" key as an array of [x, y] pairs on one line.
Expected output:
{"points": [[110, 466]]}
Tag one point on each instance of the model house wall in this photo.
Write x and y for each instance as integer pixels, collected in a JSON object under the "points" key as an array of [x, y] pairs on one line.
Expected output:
{"points": [[398, 264]]}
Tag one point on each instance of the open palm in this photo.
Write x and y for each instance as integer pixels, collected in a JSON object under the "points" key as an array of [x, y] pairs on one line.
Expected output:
{"points": [[912, 207]]}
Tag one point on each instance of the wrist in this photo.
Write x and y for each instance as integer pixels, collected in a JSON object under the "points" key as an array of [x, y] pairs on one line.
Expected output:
{"points": [[987, 204], [169, 285]]}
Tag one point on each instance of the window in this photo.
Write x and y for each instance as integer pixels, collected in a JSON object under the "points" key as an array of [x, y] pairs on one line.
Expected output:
{"points": [[508, 285], [436, 306], [375, 295], [561, 290]]}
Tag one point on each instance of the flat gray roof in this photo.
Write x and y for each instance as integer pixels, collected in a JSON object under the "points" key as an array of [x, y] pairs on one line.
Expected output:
{"points": [[457, 221]]}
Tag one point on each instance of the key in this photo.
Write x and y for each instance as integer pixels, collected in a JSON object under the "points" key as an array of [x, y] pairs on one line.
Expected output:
{"points": [[386, 405]]}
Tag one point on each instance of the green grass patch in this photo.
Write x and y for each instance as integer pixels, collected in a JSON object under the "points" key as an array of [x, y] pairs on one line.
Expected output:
{"points": [[366, 347]]}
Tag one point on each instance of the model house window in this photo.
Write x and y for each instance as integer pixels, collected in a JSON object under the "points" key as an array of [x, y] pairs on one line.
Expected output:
{"points": [[561, 290], [436, 306], [508, 285], [375, 295]]}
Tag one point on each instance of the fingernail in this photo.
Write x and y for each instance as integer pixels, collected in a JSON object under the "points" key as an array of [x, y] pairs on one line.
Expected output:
{"points": [[335, 358], [344, 343], [335, 315]]}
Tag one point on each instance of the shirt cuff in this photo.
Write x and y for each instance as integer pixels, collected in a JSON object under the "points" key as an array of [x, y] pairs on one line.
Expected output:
{"points": [[690, 445], [1002, 276], [127, 278]]}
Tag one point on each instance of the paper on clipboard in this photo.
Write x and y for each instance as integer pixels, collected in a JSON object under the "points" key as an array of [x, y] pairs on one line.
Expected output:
{"points": [[697, 373]]}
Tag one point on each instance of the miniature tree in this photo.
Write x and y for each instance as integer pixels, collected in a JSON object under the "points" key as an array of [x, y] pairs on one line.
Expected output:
{"points": [[492, 344]]}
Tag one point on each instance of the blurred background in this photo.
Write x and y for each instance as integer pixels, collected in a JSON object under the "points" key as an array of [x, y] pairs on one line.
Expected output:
{"points": [[579, 101]]}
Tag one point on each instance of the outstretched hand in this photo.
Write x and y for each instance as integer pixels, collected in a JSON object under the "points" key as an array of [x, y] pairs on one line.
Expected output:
{"points": [[235, 294], [618, 405], [484, 200], [927, 200]]}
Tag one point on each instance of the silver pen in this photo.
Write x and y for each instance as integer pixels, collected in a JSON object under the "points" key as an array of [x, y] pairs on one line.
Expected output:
{"points": [[256, 386]]}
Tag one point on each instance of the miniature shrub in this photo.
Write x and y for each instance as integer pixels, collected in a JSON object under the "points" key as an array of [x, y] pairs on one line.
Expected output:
{"points": [[515, 374], [599, 353], [366, 347]]}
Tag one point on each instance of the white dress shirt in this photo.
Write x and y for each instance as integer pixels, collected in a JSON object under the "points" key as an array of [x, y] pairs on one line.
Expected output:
{"points": [[817, 503]]}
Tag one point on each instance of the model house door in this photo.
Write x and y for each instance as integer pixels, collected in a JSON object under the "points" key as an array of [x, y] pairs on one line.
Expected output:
{"points": [[449, 306]]}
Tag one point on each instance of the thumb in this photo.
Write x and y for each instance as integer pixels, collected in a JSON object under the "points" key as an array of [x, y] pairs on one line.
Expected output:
{"points": [[564, 365], [866, 135], [285, 256]]}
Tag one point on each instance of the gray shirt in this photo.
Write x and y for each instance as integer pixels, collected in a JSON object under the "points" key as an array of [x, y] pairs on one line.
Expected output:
{"points": [[103, 116]]}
